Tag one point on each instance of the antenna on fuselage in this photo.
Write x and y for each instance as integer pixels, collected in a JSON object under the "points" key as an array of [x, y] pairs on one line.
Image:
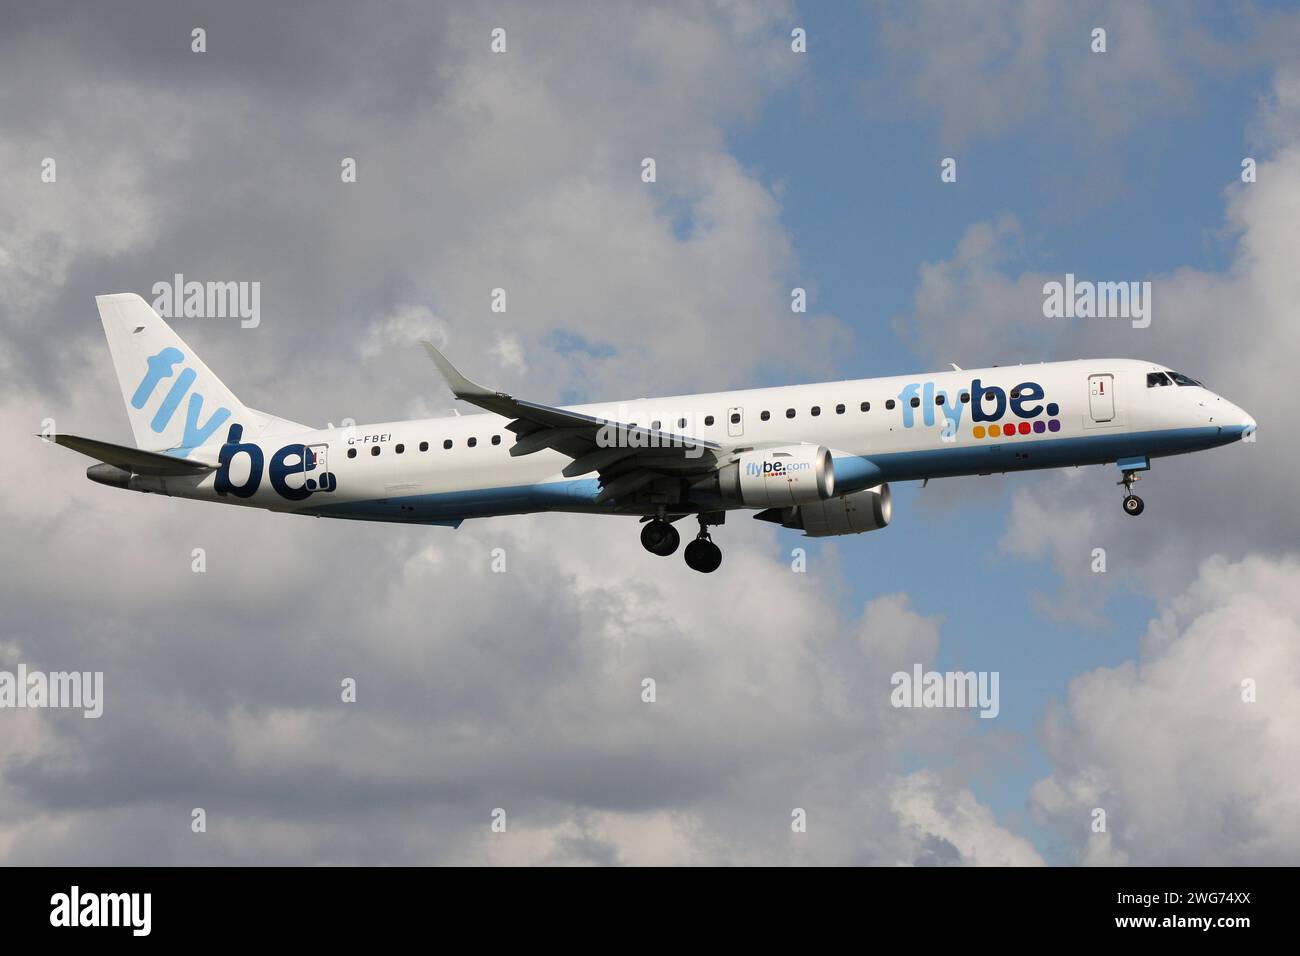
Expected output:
{"points": [[955, 366]]}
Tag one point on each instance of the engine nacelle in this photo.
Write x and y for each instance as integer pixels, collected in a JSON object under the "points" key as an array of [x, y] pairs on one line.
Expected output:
{"points": [[866, 510], [779, 477]]}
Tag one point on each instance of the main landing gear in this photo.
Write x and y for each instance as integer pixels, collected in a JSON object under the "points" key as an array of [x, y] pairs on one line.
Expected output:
{"points": [[702, 554], [661, 538], [1132, 503]]}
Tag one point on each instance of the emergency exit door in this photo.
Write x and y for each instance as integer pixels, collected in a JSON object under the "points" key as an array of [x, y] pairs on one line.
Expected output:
{"points": [[735, 422]]}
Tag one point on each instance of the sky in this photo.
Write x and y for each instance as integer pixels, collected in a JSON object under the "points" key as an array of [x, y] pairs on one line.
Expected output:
{"points": [[481, 689]]}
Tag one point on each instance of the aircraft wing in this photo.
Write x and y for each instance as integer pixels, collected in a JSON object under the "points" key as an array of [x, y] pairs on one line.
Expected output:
{"points": [[641, 455]]}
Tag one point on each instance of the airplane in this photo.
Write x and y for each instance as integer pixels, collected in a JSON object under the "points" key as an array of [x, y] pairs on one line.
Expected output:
{"points": [[815, 458]]}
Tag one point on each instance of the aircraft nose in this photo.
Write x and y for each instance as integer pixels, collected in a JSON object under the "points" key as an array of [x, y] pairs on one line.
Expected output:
{"points": [[1234, 418]]}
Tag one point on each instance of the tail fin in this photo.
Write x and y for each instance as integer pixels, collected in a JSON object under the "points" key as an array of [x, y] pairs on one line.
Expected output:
{"points": [[174, 401]]}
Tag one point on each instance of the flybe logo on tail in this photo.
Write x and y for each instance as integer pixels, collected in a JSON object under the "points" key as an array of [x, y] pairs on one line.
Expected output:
{"points": [[989, 405], [161, 366]]}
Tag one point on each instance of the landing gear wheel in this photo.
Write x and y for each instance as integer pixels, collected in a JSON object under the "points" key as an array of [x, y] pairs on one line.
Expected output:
{"points": [[659, 537], [1132, 503], [703, 555]]}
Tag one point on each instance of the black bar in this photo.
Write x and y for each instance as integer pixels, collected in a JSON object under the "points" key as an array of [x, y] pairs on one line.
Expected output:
{"points": [[976, 907]]}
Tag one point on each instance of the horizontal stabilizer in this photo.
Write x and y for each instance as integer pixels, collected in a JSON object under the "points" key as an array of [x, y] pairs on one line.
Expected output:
{"points": [[135, 460]]}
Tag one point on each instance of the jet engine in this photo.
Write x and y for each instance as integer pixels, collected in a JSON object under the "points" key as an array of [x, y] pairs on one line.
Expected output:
{"points": [[848, 514], [776, 477]]}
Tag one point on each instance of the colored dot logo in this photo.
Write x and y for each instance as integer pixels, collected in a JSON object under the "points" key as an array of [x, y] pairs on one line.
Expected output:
{"points": [[1011, 429]]}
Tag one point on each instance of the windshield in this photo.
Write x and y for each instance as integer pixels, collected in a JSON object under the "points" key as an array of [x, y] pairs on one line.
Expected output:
{"points": [[1182, 379]]}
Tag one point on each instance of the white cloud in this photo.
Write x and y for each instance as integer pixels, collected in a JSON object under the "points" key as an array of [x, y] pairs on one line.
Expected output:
{"points": [[1186, 771], [894, 635], [953, 827], [989, 70], [403, 327], [958, 300]]}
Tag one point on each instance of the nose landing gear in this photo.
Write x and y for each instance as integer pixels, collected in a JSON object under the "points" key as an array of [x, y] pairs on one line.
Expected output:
{"points": [[1133, 505]]}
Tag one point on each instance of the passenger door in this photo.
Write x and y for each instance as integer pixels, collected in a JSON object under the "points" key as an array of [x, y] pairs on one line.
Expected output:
{"points": [[1101, 397]]}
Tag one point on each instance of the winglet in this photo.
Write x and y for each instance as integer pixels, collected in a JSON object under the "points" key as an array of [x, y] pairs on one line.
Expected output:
{"points": [[460, 386]]}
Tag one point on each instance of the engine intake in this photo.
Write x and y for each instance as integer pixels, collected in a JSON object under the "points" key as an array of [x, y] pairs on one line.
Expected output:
{"points": [[777, 477]]}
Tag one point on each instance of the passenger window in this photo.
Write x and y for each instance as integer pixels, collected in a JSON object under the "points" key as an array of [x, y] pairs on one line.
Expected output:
{"points": [[916, 402], [374, 449], [471, 442], [965, 397], [424, 446], [447, 443], [735, 418], [816, 410], [1015, 393], [789, 413], [940, 399], [889, 404], [990, 396], [655, 425], [352, 453], [839, 409], [765, 415], [496, 439], [708, 419], [866, 406]]}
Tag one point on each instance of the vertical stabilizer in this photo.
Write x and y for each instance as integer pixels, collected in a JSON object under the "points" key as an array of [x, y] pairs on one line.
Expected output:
{"points": [[174, 401]]}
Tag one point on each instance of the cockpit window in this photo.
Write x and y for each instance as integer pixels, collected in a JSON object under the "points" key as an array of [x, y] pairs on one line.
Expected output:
{"points": [[1182, 379], [1157, 378]]}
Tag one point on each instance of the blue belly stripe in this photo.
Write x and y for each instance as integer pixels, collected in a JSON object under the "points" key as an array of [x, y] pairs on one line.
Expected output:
{"points": [[979, 457], [451, 507], [852, 473]]}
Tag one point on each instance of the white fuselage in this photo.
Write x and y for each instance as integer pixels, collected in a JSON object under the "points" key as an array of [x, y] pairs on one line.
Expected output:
{"points": [[442, 470]]}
